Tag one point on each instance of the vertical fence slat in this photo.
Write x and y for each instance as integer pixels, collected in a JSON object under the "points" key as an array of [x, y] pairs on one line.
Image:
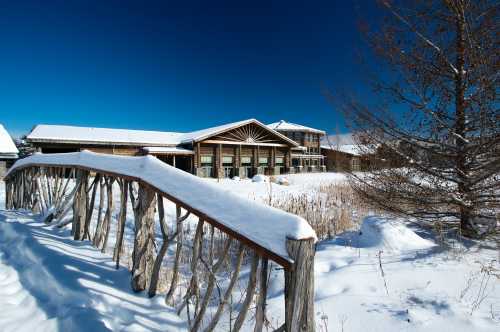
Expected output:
{"points": [[299, 286]]}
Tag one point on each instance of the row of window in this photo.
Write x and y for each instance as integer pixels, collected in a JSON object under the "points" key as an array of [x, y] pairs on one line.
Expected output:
{"points": [[298, 136], [245, 161], [312, 150]]}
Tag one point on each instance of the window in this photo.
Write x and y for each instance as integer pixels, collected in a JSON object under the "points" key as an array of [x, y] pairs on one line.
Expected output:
{"points": [[355, 164], [263, 161], [227, 160], [206, 160], [206, 165], [246, 161], [279, 161]]}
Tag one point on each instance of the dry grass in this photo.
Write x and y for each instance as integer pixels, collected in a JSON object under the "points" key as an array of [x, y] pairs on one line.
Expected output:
{"points": [[329, 208]]}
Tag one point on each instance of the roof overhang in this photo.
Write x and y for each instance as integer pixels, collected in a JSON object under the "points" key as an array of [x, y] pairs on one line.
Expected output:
{"points": [[159, 150], [8, 156], [307, 156], [93, 142]]}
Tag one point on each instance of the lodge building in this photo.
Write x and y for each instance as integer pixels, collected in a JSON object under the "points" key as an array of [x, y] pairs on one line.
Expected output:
{"points": [[244, 148], [307, 156]]}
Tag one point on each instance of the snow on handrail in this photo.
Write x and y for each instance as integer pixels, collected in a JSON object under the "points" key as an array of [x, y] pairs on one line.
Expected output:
{"points": [[262, 226]]}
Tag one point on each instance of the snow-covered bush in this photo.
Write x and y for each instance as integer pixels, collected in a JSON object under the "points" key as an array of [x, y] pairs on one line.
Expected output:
{"points": [[260, 178]]}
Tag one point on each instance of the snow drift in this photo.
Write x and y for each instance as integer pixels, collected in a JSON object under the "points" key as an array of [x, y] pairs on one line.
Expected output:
{"points": [[390, 235]]}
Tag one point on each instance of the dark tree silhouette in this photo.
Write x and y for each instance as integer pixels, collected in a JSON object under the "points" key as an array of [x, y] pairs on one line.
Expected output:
{"points": [[436, 115]]}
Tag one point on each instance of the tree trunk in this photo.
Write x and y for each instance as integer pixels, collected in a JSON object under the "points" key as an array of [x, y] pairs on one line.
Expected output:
{"points": [[143, 255]]}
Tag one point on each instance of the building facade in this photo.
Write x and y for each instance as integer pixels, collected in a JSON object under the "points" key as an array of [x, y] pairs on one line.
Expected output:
{"points": [[306, 157], [8, 151], [343, 153], [243, 148]]}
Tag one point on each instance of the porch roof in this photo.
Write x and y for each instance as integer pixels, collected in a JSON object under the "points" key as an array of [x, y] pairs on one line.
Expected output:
{"points": [[174, 150]]}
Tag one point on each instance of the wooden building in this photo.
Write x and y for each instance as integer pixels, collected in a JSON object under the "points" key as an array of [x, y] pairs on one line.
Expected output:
{"points": [[242, 148], [8, 151], [307, 156], [343, 154]]}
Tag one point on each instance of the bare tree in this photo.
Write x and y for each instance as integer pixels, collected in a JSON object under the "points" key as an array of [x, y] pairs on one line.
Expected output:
{"points": [[436, 114]]}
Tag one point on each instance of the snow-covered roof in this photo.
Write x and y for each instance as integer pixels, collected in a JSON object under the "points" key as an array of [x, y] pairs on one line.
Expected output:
{"points": [[353, 149], [7, 147], [167, 150], [92, 135], [340, 139], [346, 143], [260, 224], [288, 126], [205, 133]]}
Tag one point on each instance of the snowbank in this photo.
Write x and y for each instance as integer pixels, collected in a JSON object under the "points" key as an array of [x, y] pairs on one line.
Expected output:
{"points": [[390, 235], [260, 178], [408, 287], [48, 282], [265, 226]]}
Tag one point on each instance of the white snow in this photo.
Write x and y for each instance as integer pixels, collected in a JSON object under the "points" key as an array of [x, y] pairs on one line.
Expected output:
{"points": [[205, 133], [266, 226], [288, 126], [260, 178], [350, 149], [389, 235], [48, 282], [425, 288], [346, 143], [427, 285], [55, 133], [75, 134], [7, 146]]}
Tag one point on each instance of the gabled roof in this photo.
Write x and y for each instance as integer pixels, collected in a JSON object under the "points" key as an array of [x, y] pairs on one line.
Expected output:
{"points": [[288, 126], [7, 147], [200, 135], [109, 136]]}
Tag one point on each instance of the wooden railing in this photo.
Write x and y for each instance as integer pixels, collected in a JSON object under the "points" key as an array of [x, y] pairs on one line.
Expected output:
{"points": [[230, 233]]}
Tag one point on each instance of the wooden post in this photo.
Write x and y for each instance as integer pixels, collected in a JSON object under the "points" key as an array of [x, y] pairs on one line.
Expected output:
{"points": [[299, 286], [260, 310], [219, 173], [143, 254], [80, 205], [178, 252], [109, 212], [8, 192], [121, 222]]}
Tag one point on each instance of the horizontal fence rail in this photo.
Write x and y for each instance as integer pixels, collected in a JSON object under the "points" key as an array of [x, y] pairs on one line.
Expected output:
{"points": [[229, 233]]}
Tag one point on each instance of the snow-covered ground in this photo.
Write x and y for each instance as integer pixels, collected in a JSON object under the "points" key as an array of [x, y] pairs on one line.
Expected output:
{"points": [[386, 276], [48, 282]]}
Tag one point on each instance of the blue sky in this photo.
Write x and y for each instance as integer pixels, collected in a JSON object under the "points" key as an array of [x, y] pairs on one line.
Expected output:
{"points": [[162, 65]]}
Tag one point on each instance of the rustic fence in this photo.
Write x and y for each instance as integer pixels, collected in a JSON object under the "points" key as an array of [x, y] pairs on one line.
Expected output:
{"points": [[228, 231]]}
